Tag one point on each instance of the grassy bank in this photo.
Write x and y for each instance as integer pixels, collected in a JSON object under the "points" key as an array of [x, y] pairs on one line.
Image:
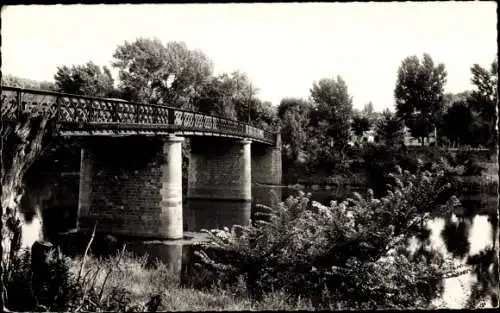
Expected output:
{"points": [[139, 284]]}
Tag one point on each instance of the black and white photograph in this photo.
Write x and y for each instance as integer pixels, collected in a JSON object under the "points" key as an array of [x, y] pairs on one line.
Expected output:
{"points": [[249, 156]]}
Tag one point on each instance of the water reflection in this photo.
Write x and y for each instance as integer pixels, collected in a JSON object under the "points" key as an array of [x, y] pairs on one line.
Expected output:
{"points": [[32, 229], [481, 234], [468, 242], [267, 195], [210, 214], [456, 237]]}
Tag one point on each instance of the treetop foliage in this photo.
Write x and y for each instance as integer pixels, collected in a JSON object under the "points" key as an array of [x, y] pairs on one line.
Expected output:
{"points": [[164, 74], [88, 79], [419, 94]]}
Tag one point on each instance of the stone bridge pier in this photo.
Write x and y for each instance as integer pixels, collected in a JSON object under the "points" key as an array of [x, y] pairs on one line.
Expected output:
{"points": [[267, 173], [220, 169], [132, 186]]}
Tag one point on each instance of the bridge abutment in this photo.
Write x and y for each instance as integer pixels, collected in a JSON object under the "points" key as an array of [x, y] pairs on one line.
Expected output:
{"points": [[132, 187]]}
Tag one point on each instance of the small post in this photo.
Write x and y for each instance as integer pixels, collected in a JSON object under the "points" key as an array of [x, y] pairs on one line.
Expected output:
{"points": [[115, 112], [171, 116], [155, 115], [58, 104], [20, 107]]}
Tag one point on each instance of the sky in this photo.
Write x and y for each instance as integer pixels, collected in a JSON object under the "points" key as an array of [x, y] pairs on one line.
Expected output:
{"points": [[283, 47]]}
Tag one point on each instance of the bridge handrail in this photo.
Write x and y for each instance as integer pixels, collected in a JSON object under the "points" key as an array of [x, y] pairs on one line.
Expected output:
{"points": [[133, 116]]}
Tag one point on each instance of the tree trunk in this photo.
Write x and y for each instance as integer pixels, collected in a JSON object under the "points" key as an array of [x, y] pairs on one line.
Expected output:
{"points": [[2, 294], [22, 137]]}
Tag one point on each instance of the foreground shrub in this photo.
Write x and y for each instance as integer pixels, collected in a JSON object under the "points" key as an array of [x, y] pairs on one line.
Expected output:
{"points": [[56, 283], [50, 286], [346, 255]]}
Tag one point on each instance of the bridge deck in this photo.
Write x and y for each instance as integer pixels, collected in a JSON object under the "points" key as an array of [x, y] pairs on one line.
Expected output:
{"points": [[82, 115]]}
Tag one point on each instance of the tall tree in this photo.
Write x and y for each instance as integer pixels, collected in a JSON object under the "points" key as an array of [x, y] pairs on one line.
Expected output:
{"points": [[483, 101], [168, 74], [368, 108], [330, 117], [87, 79], [294, 119], [419, 94], [390, 129]]}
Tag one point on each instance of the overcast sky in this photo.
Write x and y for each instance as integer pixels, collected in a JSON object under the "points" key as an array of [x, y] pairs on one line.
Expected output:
{"points": [[283, 48]]}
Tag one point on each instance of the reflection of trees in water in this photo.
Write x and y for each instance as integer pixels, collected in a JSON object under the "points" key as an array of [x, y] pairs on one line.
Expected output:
{"points": [[456, 237], [485, 266], [424, 236]]}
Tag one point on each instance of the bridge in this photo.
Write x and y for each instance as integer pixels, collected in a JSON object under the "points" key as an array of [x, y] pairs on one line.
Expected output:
{"points": [[131, 159]]}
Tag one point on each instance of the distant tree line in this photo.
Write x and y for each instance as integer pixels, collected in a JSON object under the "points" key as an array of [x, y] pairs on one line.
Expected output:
{"points": [[316, 131]]}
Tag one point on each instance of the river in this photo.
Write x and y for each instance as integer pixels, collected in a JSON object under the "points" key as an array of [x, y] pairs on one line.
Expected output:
{"points": [[467, 239]]}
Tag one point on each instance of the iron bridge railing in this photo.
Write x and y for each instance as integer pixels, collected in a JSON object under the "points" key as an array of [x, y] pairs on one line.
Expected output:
{"points": [[83, 113]]}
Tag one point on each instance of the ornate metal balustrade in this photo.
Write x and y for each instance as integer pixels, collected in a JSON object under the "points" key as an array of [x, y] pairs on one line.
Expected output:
{"points": [[81, 113]]}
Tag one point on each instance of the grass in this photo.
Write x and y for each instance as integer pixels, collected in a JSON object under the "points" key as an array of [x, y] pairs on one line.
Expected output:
{"points": [[132, 274]]}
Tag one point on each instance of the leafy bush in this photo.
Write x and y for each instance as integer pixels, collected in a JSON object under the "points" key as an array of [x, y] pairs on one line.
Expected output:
{"points": [[348, 254], [51, 287]]}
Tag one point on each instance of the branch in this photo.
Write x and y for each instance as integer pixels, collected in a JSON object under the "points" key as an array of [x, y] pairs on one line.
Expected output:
{"points": [[86, 251]]}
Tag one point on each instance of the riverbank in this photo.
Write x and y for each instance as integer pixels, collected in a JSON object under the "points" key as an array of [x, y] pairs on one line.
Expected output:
{"points": [[140, 283]]}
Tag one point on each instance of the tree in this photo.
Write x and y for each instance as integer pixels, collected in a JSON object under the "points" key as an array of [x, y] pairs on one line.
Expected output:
{"points": [[88, 79], [368, 108], [241, 92], [233, 96], [168, 74], [457, 123], [451, 98], [359, 125], [19, 82], [228, 95], [419, 94], [390, 129], [263, 115], [294, 118], [330, 118], [23, 136], [483, 101], [214, 99]]}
